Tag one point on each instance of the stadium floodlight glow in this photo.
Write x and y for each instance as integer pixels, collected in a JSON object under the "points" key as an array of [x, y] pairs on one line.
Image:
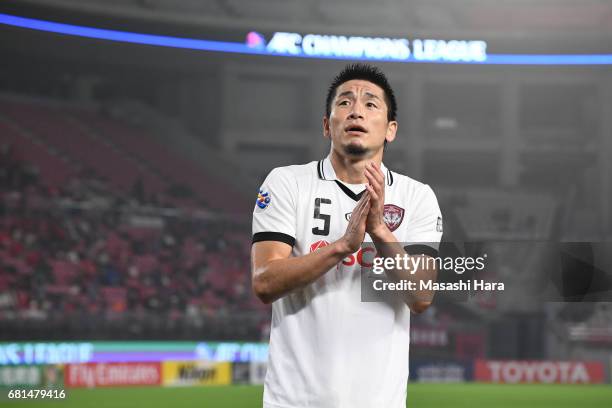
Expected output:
{"points": [[318, 46]]}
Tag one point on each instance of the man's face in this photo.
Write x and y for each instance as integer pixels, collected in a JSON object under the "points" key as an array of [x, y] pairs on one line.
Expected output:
{"points": [[357, 124]]}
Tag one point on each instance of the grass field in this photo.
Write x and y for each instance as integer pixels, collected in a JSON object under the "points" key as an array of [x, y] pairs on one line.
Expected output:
{"points": [[419, 396]]}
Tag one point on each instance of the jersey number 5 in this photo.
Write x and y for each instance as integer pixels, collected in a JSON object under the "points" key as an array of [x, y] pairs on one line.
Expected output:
{"points": [[319, 216]]}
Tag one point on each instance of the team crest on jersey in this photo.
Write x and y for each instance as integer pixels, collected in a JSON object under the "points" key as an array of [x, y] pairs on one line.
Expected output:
{"points": [[393, 216], [263, 199], [317, 245]]}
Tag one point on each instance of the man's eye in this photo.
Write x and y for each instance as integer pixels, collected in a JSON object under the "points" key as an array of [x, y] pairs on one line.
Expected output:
{"points": [[343, 103], [371, 105]]}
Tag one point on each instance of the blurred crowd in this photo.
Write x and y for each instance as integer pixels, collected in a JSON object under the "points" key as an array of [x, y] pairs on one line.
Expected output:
{"points": [[83, 249]]}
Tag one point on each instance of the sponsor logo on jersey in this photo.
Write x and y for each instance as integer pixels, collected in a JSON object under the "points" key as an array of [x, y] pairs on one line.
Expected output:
{"points": [[393, 216], [364, 257], [263, 199], [439, 225], [317, 245]]}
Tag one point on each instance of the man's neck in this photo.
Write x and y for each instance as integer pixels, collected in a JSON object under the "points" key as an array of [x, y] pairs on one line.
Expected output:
{"points": [[351, 170]]}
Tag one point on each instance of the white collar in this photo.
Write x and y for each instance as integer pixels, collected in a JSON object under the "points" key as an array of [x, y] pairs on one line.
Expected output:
{"points": [[326, 171]]}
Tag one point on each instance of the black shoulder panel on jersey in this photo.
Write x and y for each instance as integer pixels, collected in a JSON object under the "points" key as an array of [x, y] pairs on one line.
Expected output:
{"points": [[274, 236], [420, 249], [349, 192]]}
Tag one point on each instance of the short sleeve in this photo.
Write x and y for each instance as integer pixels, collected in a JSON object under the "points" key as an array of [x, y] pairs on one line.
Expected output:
{"points": [[424, 230], [274, 215]]}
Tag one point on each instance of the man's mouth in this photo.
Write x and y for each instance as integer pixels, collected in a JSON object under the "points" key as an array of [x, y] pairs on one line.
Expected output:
{"points": [[355, 129]]}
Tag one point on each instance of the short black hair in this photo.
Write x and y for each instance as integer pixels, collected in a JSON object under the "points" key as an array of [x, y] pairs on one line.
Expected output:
{"points": [[368, 73]]}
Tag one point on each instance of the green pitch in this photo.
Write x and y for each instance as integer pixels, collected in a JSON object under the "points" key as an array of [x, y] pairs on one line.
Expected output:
{"points": [[419, 396]]}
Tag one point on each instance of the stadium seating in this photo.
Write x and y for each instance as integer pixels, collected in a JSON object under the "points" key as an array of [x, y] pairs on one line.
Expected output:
{"points": [[73, 242], [70, 140]]}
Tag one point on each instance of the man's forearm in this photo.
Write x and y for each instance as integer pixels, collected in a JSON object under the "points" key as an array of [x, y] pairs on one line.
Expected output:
{"points": [[279, 277], [387, 246]]}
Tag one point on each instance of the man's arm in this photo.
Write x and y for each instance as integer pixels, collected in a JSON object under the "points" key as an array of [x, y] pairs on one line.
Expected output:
{"points": [[275, 273], [387, 245]]}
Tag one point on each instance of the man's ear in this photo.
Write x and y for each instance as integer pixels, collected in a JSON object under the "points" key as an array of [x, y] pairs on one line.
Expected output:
{"points": [[391, 131], [326, 132]]}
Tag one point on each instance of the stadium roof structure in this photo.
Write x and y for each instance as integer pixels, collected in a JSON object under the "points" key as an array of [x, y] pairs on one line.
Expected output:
{"points": [[513, 19]]}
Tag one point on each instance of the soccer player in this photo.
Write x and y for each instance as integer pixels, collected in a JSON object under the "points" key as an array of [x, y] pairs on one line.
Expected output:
{"points": [[327, 347]]}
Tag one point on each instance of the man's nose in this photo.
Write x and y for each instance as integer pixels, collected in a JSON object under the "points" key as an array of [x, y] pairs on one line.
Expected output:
{"points": [[356, 112]]}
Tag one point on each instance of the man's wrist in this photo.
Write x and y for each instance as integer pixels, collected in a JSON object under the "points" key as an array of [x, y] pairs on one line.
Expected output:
{"points": [[341, 248], [381, 234]]}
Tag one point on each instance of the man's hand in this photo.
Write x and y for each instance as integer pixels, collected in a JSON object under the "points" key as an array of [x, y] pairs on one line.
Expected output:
{"points": [[375, 223], [387, 245], [355, 230]]}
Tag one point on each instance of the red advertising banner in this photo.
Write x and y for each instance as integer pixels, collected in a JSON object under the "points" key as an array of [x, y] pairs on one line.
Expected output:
{"points": [[561, 372], [112, 374]]}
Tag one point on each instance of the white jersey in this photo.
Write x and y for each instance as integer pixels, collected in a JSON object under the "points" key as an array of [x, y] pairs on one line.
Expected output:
{"points": [[327, 347]]}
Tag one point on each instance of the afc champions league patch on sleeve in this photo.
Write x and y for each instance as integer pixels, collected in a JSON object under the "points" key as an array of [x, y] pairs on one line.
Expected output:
{"points": [[263, 199]]}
